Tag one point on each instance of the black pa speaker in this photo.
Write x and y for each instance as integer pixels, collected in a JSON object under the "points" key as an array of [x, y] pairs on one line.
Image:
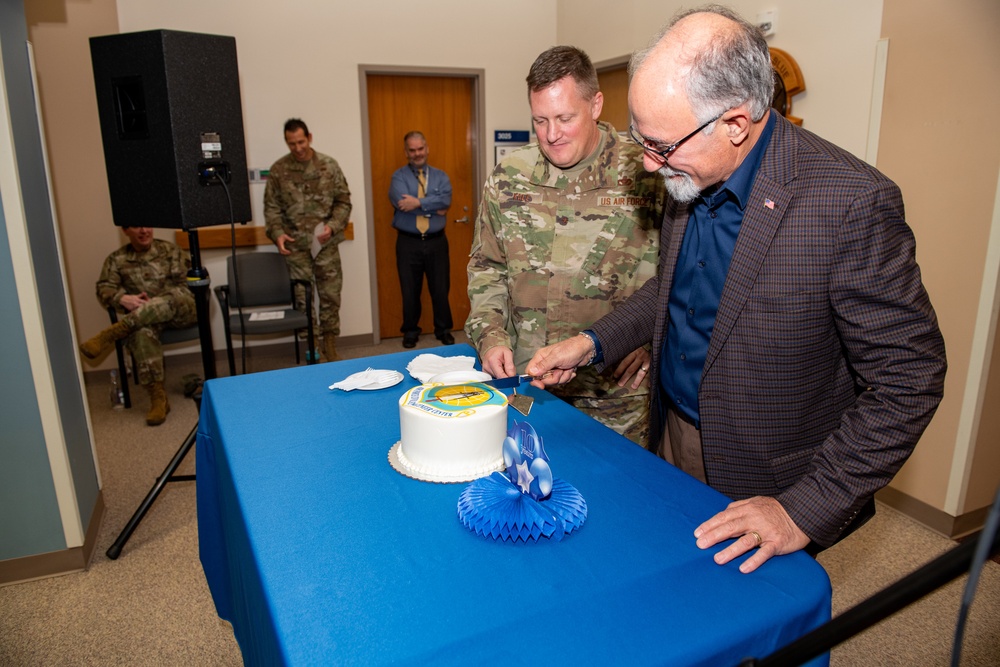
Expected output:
{"points": [[172, 125]]}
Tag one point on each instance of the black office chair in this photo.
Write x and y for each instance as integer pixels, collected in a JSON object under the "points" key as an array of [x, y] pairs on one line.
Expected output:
{"points": [[264, 281], [167, 337]]}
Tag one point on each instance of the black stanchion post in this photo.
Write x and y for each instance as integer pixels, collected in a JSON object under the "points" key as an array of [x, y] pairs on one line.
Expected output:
{"points": [[938, 572]]}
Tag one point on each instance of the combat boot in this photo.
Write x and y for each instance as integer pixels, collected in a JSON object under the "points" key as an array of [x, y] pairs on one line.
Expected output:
{"points": [[330, 348], [97, 346], [159, 406]]}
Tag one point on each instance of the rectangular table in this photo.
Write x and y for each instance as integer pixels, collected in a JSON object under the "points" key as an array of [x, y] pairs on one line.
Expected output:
{"points": [[319, 552]]}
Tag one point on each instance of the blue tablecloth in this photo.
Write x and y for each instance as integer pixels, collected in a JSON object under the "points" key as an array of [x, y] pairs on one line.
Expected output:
{"points": [[319, 552]]}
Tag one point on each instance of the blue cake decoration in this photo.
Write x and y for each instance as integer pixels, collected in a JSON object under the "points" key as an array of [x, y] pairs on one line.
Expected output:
{"points": [[527, 502]]}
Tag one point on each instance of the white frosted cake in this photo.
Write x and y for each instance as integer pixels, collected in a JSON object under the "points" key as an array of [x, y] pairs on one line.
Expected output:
{"points": [[450, 432]]}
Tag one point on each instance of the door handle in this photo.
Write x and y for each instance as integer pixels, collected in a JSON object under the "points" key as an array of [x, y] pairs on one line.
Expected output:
{"points": [[464, 219]]}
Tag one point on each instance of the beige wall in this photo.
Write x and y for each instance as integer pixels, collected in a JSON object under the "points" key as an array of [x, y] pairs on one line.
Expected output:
{"points": [[302, 59], [59, 32], [833, 43], [299, 58], [938, 146], [936, 142], [985, 469]]}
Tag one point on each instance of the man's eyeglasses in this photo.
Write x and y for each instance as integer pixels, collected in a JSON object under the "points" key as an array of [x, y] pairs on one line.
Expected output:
{"points": [[664, 153]]}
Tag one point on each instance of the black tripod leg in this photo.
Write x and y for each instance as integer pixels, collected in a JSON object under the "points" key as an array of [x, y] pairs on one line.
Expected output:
{"points": [[115, 550]]}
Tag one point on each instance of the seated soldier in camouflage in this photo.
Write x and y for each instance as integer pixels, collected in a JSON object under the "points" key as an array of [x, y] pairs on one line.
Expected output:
{"points": [[147, 281], [568, 227]]}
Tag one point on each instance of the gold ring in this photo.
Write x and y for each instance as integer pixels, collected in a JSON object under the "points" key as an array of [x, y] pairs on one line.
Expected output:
{"points": [[757, 537], [644, 369]]}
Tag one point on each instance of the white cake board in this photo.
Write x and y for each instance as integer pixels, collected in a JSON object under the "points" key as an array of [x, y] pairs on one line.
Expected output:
{"points": [[400, 467]]}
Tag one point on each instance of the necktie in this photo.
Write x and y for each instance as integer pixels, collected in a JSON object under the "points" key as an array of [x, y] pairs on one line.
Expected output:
{"points": [[423, 224]]}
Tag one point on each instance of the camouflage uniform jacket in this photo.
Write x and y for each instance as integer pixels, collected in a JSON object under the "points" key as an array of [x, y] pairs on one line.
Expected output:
{"points": [[553, 253], [159, 271], [300, 195]]}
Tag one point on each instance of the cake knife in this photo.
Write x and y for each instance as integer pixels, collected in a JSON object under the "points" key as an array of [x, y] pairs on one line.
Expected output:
{"points": [[513, 381]]}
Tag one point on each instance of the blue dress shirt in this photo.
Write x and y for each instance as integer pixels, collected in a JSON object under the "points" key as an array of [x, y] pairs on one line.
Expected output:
{"points": [[437, 197], [702, 264]]}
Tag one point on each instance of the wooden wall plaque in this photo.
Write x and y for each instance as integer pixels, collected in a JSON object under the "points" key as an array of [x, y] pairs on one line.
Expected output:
{"points": [[788, 83]]}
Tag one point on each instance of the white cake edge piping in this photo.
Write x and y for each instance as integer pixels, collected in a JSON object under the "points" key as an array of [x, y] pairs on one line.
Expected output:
{"points": [[403, 465]]}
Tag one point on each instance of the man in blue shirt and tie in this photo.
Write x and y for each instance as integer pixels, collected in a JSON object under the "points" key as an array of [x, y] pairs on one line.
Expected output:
{"points": [[421, 196]]}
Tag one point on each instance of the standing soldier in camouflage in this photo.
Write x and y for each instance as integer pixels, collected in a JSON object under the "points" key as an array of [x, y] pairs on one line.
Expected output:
{"points": [[306, 208], [147, 280], [568, 227]]}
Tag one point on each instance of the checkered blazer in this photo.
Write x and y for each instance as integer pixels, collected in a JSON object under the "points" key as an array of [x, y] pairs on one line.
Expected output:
{"points": [[826, 363]]}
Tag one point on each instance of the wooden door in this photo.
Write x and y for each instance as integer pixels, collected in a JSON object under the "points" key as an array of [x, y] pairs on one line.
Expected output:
{"points": [[614, 85], [442, 108]]}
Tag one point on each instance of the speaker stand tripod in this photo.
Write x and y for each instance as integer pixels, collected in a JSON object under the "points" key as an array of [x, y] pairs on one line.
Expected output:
{"points": [[198, 283]]}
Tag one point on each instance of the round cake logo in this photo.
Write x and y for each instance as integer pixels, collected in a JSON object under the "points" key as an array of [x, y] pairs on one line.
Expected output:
{"points": [[454, 400], [461, 395]]}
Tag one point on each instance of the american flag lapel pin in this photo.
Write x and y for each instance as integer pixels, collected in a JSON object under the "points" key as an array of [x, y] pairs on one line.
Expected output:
{"points": [[768, 203]]}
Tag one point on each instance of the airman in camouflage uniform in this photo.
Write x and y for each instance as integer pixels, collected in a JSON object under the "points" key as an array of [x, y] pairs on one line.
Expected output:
{"points": [[557, 247], [145, 280], [304, 189]]}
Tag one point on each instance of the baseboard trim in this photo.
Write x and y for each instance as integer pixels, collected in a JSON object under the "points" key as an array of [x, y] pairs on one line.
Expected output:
{"points": [[282, 347], [56, 563], [222, 363], [952, 527]]}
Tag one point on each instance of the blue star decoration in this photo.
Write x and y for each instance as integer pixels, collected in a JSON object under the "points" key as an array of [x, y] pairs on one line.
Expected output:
{"points": [[524, 503], [526, 462], [524, 477]]}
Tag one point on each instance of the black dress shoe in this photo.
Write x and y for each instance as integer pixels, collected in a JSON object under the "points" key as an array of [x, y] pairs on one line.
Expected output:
{"points": [[446, 339], [409, 342]]}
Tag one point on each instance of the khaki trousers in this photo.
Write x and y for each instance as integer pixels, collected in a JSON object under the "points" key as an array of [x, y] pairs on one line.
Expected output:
{"points": [[681, 444]]}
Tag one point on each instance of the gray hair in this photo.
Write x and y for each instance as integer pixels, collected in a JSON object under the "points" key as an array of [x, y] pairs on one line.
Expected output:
{"points": [[734, 68]]}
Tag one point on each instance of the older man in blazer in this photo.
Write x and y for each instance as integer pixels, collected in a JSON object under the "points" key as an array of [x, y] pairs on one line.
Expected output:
{"points": [[797, 355], [421, 196]]}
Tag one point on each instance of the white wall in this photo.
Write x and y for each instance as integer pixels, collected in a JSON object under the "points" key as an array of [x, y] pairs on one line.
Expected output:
{"points": [[300, 58], [833, 43]]}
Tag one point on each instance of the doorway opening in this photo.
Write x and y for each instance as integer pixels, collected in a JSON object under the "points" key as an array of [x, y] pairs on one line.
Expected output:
{"points": [[446, 105]]}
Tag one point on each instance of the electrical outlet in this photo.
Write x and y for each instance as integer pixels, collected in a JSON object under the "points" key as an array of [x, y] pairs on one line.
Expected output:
{"points": [[767, 22]]}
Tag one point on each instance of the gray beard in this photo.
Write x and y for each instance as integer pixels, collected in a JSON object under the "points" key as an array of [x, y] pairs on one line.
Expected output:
{"points": [[684, 190]]}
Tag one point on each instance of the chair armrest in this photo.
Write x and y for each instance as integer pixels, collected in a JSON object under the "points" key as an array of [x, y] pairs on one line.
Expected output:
{"points": [[309, 299], [300, 281], [305, 283], [120, 357], [222, 294]]}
